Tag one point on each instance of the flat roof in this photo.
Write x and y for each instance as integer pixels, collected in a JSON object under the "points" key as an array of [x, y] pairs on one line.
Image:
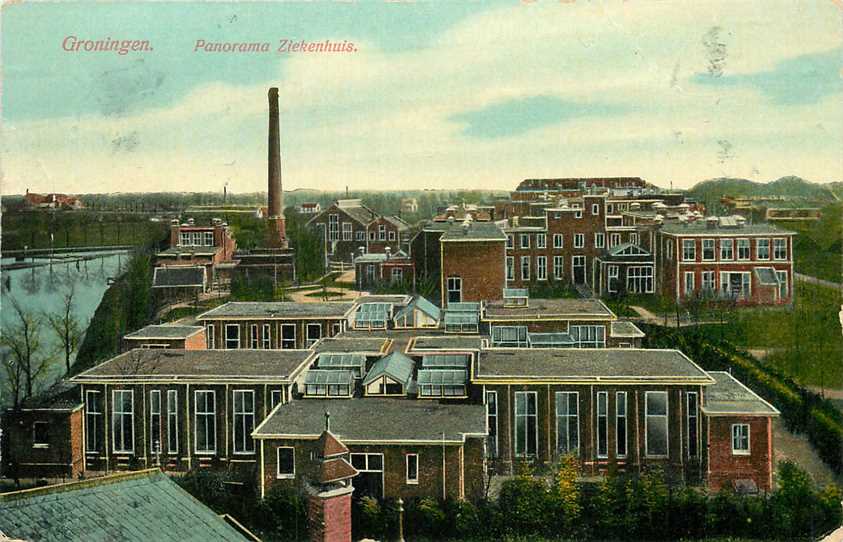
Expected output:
{"points": [[364, 345], [700, 228], [728, 397], [589, 365], [376, 420], [556, 308], [277, 310], [393, 299], [141, 365], [446, 343], [477, 231], [164, 332], [624, 329]]}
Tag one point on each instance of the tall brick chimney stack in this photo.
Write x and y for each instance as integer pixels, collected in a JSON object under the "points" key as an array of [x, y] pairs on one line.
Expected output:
{"points": [[277, 235]]}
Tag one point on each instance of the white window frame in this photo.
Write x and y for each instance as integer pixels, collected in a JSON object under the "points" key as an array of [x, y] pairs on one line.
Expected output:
{"points": [[206, 415], [708, 281], [614, 239], [613, 272], [510, 240], [333, 227], [242, 417], [276, 397], [312, 325], [740, 431], [525, 268], [668, 249], [558, 267], [604, 442], [281, 338], [689, 250], [407, 478], [278, 474], [172, 421], [579, 240], [595, 209], [254, 337], [541, 240], [744, 250], [454, 285], [510, 268], [347, 231], [152, 414], [727, 250], [560, 397], [621, 399], [758, 249], [524, 241], [527, 420], [210, 338], [689, 282], [558, 240], [709, 246], [266, 337], [779, 243], [95, 413], [209, 238], [360, 235], [637, 274], [665, 417], [633, 238], [541, 267], [782, 276], [490, 414], [227, 340], [123, 449], [599, 240], [692, 420], [391, 235], [381, 232]]}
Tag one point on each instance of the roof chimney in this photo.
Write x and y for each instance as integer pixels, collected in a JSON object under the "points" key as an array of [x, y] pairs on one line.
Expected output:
{"points": [[275, 193]]}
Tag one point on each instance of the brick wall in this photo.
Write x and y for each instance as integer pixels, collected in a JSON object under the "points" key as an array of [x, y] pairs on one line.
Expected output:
{"points": [[330, 518], [328, 327], [58, 457], [480, 265], [724, 467]]}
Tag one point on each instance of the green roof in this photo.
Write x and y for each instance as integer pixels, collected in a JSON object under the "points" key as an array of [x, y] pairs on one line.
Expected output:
{"points": [[461, 318], [445, 361], [322, 377], [442, 377], [131, 507], [331, 361], [396, 365]]}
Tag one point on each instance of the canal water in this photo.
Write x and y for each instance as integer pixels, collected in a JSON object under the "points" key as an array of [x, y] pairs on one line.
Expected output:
{"points": [[41, 290]]}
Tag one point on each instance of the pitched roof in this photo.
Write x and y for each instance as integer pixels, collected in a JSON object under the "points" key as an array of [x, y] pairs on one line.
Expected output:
{"points": [[164, 332], [277, 310], [135, 506], [628, 249], [396, 365], [397, 221], [329, 445], [556, 308], [376, 420], [334, 470], [624, 329], [200, 365], [179, 276], [728, 396], [589, 365], [766, 276]]}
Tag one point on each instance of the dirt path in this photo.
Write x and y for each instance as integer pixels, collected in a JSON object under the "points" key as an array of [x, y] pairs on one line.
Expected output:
{"points": [[797, 448]]}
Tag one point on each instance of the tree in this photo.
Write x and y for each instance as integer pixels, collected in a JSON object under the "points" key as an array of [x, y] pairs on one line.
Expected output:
{"points": [[66, 325], [25, 366]]}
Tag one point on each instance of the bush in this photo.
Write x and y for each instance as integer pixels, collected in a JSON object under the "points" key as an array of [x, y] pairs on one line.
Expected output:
{"points": [[525, 506], [367, 518], [287, 509]]}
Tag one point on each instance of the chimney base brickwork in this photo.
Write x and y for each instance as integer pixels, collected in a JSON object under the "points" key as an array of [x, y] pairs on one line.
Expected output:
{"points": [[329, 515]]}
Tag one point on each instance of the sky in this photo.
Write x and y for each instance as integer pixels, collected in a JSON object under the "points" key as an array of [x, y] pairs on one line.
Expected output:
{"points": [[435, 95]]}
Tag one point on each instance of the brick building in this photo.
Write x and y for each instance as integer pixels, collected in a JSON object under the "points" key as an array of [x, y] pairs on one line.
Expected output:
{"points": [[166, 336], [376, 269], [273, 325], [194, 245], [472, 262], [725, 257], [183, 408]]}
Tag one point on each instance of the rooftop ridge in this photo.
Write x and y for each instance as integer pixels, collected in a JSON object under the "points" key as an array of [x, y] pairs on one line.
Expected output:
{"points": [[78, 484]]}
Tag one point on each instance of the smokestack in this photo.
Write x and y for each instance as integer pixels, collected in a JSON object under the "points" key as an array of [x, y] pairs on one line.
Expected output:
{"points": [[276, 196]]}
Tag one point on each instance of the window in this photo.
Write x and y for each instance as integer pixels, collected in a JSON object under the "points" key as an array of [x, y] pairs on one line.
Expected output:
{"points": [[541, 240], [333, 227], [708, 250], [708, 281], [209, 238], [541, 267], [286, 462], [639, 279], [567, 422], [381, 232], [726, 249], [360, 235], [253, 336], [209, 336], [633, 238], [599, 240], [526, 424], [391, 235], [372, 236], [510, 268], [232, 336], [412, 464], [196, 238], [509, 336], [93, 421], [620, 424], [123, 421], [155, 445], [172, 422], [266, 337], [595, 209], [578, 213], [525, 268], [206, 421], [184, 238], [558, 240], [525, 240], [579, 240], [613, 272], [276, 397], [614, 239], [689, 282], [244, 421], [655, 422], [558, 267], [40, 435], [602, 424], [397, 276], [314, 333], [610, 208], [510, 240], [454, 289], [589, 336], [288, 336], [762, 248], [740, 439], [336, 328], [693, 424], [689, 250], [736, 284], [492, 423], [743, 249], [783, 285], [779, 249], [668, 249], [347, 232], [367, 462]]}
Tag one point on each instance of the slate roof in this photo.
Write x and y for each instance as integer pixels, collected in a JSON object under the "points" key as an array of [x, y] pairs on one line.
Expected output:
{"points": [[179, 276], [728, 396], [397, 221], [131, 507], [164, 332], [589, 365], [447, 342], [396, 365], [364, 345], [478, 231], [699, 227], [624, 329], [277, 310], [199, 365], [376, 420], [590, 309]]}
